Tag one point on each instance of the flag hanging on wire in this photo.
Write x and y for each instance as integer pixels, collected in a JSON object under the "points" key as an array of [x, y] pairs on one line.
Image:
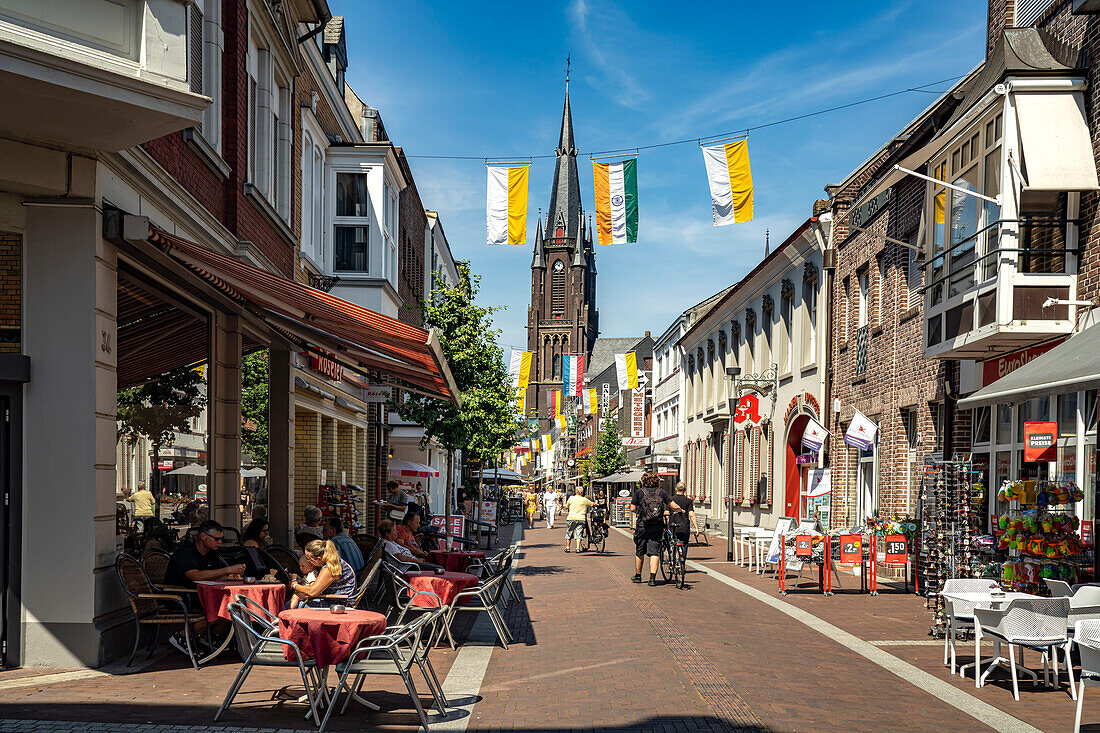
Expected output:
{"points": [[547, 444], [626, 365], [506, 205], [572, 374], [616, 187], [591, 406], [563, 423], [730, 179], [520, 369], [521, 400], [555, 403]]}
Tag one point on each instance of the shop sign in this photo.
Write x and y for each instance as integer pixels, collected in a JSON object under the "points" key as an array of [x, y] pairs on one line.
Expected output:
{"points": [[851, 548], [635, 442], [1039, 441], [747, 413], [637, 413], [668, 472], [1086, 532], [994, 369], [896, 549], [624, 493], [377, 393], [489, 512], [165, 465], [458, 524], [803, 545], [324, 365], [806, 459]]}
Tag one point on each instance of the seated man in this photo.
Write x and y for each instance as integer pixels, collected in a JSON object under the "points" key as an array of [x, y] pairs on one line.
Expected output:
{"points": [[199, 560], [312, 526], [406, 534], [397, 553], [349, 551]]}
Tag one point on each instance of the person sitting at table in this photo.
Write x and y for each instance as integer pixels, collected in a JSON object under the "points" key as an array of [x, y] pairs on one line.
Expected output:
{"points": [[398, 554], [199, 560], [349, 551], [312, 525], [334, 576], [253, 540], [406, 534]]}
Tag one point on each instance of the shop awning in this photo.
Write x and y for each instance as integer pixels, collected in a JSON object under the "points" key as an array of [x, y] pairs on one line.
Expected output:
{"points": [[503, 475], [408, 468], [623, 477], [1055, 140], [1068, 367], [322, 322]]}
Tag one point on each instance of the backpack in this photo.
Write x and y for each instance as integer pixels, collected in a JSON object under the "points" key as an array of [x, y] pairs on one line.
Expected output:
{"points": [[652, 506]]}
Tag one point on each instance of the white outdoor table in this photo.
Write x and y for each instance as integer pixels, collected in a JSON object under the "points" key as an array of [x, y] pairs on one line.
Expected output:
{"points": [[985, 599], [751, 554]]}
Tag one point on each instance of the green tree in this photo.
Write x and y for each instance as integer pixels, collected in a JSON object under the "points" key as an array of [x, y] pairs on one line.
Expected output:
{"points": [[610, 456], [486, 423], [160, 409], [255, 394]]}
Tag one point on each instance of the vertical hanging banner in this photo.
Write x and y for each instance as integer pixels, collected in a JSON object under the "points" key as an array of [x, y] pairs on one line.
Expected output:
{"points": [[519, 369], [555, 403], [637, 413], [506, 205], [730, 179], [572, 374], [546, 443], [616, 187], [521, 400], [626, 366], [591, 404]]}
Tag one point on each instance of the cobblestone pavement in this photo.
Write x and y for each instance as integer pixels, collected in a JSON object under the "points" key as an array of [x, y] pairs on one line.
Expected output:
{"points": [[594, 651]]}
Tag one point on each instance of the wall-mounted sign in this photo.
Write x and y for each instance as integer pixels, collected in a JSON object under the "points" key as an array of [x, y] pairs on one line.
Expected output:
{"points": [[636, 442], [1040, 439], [806, 459], [377, 393], [637, 413], [994, 369], [747, 413], [605, 396], [865, 212], [324, 365]]}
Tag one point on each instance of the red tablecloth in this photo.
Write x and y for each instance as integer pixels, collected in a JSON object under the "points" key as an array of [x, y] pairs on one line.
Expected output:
{"points": [[447, 586], [456, 560], [216, 597], [325, 636]]}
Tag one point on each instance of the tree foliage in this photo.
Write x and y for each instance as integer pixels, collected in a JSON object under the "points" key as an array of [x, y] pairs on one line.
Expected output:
{"points": [[255, 395], [160, 409], [487, 422], [610, 456]]}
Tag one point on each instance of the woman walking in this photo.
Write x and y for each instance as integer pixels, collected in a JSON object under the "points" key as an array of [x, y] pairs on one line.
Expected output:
{"points": [[531, 505]]}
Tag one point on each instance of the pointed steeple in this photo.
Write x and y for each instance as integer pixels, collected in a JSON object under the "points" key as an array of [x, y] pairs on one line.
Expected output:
{"points": [[562, 219], [537, 260]]}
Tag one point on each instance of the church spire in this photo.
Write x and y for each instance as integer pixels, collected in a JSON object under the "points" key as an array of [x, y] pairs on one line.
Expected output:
{"points": [[562, 218]]}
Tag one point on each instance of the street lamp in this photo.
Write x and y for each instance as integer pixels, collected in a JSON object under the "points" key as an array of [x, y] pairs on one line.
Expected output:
{"points": [[732, 373]]}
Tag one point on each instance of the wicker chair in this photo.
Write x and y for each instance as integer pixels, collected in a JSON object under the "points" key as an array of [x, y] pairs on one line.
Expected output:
{"points": [[155, 564], [285, 556], [155, 608]]}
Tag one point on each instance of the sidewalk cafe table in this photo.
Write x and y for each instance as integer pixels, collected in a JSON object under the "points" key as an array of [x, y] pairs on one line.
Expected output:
{"points": [[455, 560], [446, 586], [983, 599], [327, 637], [215, 597]]}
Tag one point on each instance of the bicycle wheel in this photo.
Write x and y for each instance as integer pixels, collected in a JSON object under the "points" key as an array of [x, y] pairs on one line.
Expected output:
{"points": [[666, 562], [681, 567], [601, 543]]}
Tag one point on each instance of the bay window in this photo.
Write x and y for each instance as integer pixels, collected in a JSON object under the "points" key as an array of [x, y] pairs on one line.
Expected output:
{"points": [[352, 224]]}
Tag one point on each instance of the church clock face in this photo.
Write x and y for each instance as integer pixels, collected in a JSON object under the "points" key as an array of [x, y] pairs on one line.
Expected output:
{"points": [[558, 266]]}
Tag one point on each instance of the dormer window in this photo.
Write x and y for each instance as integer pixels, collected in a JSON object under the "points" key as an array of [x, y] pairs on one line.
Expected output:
{"points": [[352, 224]]}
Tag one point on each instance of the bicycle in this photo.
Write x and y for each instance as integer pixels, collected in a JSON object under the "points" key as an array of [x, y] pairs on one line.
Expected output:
{"points": [[595, 532], [673, 559]]}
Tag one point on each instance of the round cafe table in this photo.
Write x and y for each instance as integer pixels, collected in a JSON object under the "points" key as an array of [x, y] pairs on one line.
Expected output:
{"points": [[446, 586], [327, 637], [455, 560], [215, 597]]}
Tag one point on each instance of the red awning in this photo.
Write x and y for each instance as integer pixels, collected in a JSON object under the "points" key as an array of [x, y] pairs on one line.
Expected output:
{"points": [[356, 335]]}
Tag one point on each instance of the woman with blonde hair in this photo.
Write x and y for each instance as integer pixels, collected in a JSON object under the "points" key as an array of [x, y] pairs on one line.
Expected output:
{"points": [[334, 575]]}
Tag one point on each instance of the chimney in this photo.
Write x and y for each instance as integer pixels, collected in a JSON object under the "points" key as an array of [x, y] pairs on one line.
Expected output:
{"points": [[647, 334], [1002, 14]]}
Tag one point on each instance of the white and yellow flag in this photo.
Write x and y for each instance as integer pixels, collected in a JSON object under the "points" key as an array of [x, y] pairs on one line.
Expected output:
{"points": [[506, 205], [730, 179], [520, 369], [626, 365]]}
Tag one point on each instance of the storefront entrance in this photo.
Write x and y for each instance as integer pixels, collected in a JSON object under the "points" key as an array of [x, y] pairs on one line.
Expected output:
{"points": [[794, 504], [10, 529]]}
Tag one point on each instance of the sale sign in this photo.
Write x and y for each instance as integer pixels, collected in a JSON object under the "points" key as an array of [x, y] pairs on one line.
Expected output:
{"points": [[896, 548], [803, 545], [1040, 439], [851, 548]]}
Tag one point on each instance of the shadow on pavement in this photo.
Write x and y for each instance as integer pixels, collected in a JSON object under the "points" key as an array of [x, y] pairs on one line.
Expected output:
{"points": [[518, 617]]}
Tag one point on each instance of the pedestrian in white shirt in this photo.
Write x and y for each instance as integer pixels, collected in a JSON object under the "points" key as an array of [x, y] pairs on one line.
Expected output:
{"points": [[550, 499]]}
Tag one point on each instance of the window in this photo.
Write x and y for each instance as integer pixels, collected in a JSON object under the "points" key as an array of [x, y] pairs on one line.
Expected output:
{"points": [[862, 310], [282, 144], [914, 273], [309, 185], [352, 224], [766, 339], [557, 287], [981, 427], [786, 346], [809, 323], [389, 251], [1004, 424], [911, 421]]}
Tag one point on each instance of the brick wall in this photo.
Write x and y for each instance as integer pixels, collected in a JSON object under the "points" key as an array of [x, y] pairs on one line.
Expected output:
{"points": [[11, 292], [307, 460]]}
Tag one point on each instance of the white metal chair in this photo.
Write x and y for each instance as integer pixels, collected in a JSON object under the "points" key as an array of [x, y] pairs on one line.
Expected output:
{"points": [[1027, 623], [392, 653], [260, 646], [959, 614], [1086, 636], [485, 597]]}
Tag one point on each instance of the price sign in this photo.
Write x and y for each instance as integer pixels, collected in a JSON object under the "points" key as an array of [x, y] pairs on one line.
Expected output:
{"points": [[851, 548], [489, 512], [803, 546], [896, 548]]}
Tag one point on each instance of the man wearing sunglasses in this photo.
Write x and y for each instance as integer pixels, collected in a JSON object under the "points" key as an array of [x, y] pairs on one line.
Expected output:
{"points": [[199, 560]]}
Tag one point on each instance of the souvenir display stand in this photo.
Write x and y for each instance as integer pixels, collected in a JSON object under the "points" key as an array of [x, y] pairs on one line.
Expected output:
{"points": [[949, 531], [1039, 536]]}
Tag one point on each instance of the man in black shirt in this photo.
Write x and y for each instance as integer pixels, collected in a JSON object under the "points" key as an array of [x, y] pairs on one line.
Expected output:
{"points": [[199, 560], [649, 504], [682, 519]]}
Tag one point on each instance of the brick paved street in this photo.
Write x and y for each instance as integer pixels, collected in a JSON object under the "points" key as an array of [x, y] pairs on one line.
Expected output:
{"points": [[596, 652]]}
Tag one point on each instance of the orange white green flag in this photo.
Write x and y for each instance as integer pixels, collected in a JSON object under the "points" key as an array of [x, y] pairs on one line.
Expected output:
{"points": [[616, 187]]}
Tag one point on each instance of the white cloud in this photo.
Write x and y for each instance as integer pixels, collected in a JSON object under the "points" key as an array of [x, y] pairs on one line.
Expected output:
{"points": [[618, 39]]}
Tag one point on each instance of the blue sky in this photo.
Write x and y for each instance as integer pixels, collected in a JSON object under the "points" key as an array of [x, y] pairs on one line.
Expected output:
{"points": [[487, 79]]}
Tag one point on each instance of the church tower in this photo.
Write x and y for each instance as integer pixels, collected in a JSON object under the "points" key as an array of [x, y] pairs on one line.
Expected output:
{"points": [[562, 319]]}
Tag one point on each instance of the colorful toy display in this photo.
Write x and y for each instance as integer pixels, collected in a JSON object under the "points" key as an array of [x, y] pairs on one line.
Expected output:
{"points": [[1039, 533]]}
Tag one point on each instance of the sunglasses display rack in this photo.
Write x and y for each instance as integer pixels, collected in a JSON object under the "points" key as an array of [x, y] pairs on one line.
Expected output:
{"points": [[949, 530], [343, 502]]}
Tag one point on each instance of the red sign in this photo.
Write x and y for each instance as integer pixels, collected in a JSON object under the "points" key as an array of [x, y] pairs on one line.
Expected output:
{"points": [[803, 545], [457, 524], [637, 413], [994, 369], [326, 366], [1040, 441], [851, 548], [896, 548], [1086, 532], [668, 472], [748, 410]]}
